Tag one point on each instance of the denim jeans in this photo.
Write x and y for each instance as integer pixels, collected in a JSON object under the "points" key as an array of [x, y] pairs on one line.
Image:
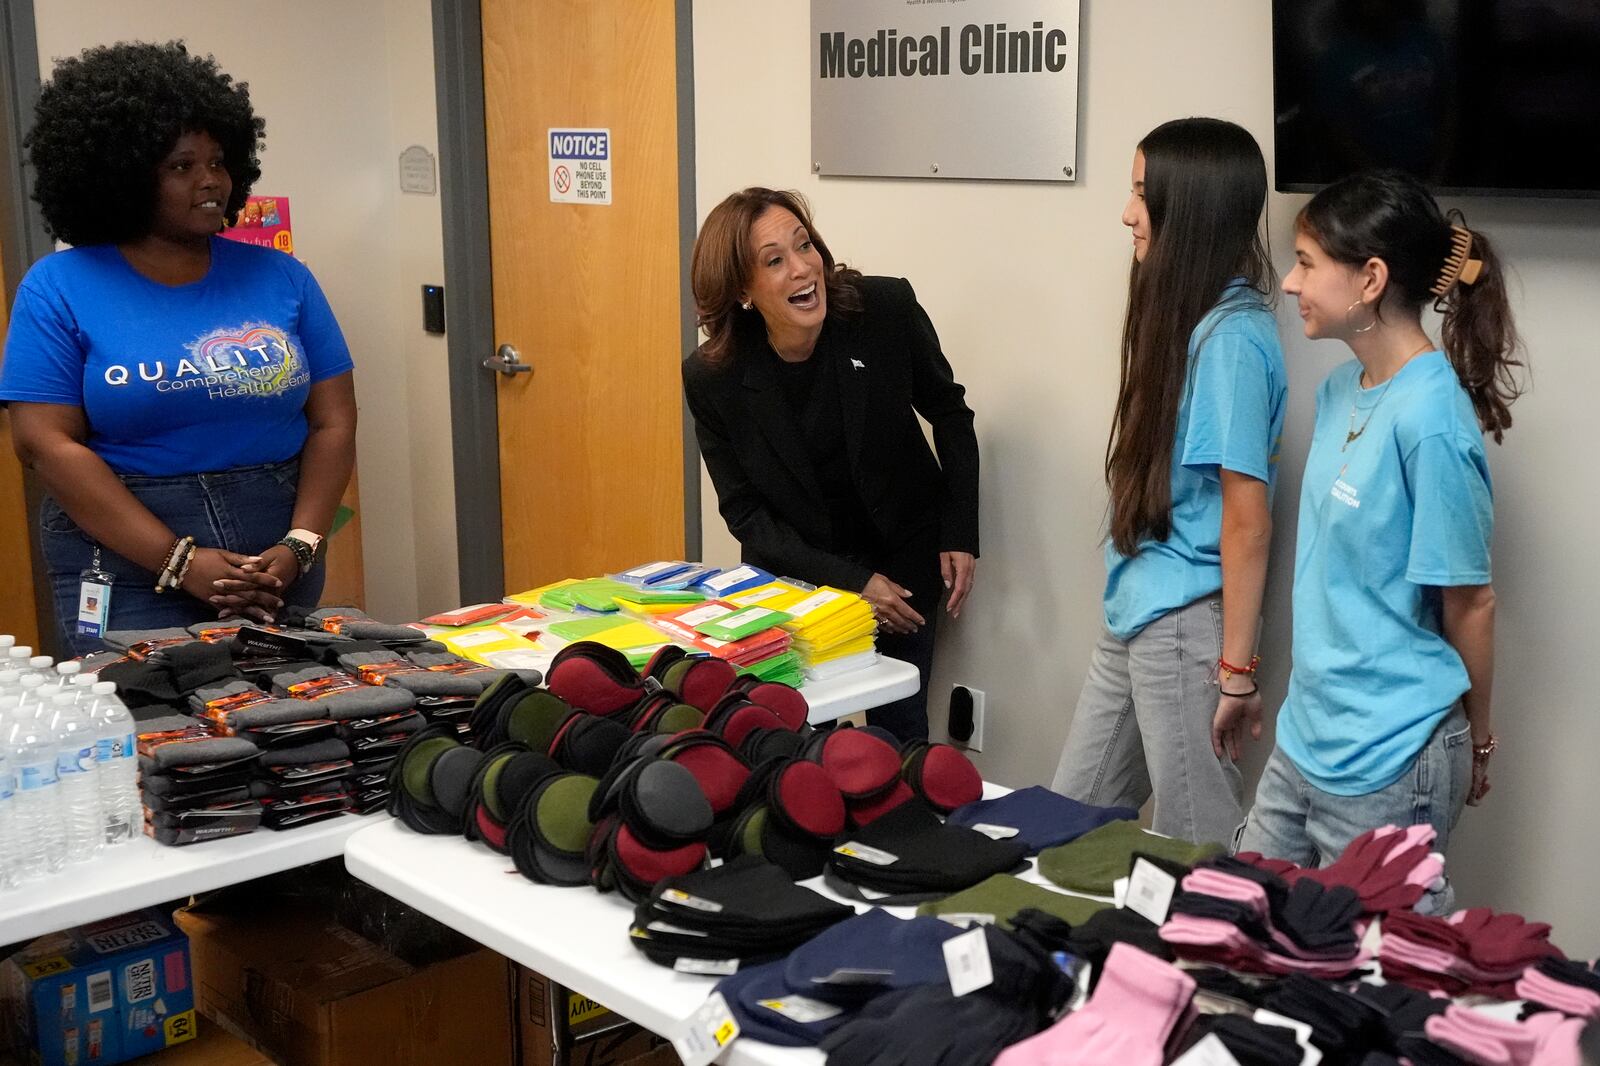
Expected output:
{"points": [[244, 510], [1143, 726], [1295, 820]]}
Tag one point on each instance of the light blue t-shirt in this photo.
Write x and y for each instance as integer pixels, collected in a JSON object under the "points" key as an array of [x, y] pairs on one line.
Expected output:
{"points": [[1231, 418], [175, 379], [1404, 509]]}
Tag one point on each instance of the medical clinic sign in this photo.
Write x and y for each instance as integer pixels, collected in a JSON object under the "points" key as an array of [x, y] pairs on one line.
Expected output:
{"points": [[945, 88]]}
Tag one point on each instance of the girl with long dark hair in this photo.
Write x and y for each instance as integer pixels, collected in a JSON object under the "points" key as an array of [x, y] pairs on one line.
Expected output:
{"points": [[1190, 465], [1393, 607]]}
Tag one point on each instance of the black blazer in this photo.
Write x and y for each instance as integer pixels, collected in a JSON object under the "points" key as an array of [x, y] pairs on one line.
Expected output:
{"points": [[890, 369]]}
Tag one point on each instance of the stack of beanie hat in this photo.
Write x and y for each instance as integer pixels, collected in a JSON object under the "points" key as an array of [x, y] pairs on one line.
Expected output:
{"points": [[196, 784], [1237, 915], [1000, 898], [910, 856], [1473, 950], [929, 1023], [797, 1001], [1094, 861], [721, 919], [1037, 817], [1390, 868]]}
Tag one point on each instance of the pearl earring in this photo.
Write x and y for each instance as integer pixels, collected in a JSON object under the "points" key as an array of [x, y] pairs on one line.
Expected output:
{"points": [[746, 305]]}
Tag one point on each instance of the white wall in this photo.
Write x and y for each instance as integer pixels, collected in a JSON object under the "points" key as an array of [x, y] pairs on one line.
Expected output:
{"points": [[1026, 284], [343, 87]]}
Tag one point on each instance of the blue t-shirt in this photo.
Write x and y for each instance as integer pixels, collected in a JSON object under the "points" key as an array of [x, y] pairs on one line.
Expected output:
{"points": [[1404, 509], [1231, 418], [175, 379]]}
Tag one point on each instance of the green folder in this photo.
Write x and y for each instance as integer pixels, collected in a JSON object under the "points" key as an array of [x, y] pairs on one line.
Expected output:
{"points": [[783, 668], [742, 623]]}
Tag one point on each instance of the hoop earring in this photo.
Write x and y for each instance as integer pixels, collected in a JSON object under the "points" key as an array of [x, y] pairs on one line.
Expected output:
{"points": [[1364, 328]]}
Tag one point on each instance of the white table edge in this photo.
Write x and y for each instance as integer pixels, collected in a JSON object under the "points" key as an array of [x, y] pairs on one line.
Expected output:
{"points": [[160, 874]]}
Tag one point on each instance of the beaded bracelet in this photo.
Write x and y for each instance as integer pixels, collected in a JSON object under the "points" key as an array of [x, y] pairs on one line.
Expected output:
{"points": [[178, 558]]}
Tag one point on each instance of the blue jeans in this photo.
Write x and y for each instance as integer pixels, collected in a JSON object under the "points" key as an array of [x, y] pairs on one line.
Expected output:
{"points": [[245, 510], [1143, 727], [1295, 820]]}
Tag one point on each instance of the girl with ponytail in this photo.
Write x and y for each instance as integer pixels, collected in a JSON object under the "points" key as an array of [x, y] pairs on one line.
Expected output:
{"points": [[1190, 465], [1387, 719]]}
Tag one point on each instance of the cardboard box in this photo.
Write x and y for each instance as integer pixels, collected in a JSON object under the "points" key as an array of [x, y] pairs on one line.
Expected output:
{"points": [[212, 1046], [599, 1037], [100, 994], [309, 992]]}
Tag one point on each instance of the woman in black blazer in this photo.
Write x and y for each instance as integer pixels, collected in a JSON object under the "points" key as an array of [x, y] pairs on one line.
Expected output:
{"points": [[805, 398]]}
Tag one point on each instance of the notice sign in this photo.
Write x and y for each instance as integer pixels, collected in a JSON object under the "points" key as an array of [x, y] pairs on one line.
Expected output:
{"points": [[580, 166], [945, 88]]}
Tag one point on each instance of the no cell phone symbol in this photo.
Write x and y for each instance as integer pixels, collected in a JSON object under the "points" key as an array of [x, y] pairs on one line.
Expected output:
{"points": [[563, 179]]}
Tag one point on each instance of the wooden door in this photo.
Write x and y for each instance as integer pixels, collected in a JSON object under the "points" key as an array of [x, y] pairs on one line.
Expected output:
{"points": [[17, 608], [591, 441]]}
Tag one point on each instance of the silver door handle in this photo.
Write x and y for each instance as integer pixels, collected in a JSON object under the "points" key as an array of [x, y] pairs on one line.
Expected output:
{"points": [[508, 361]]}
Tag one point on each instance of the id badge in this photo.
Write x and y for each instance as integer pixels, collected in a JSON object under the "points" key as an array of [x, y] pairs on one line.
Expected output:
{"points": [[94, 599]]}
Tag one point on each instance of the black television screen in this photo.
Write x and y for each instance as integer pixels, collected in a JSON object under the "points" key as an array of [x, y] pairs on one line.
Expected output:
{"points": [[1498, 97]]}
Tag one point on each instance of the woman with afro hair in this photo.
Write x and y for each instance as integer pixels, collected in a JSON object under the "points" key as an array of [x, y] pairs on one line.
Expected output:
{"points": [[185, 400]]}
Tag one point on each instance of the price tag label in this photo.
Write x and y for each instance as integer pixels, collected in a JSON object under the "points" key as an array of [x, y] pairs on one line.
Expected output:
{"points": [[854, 850], [1150, 891], [708, 1030], [996, 832], [681, 898], [802, 1010], [732, 577], [1210, 1051], [966, 960], [706, 967], [1310, 1055], [967, 918]]}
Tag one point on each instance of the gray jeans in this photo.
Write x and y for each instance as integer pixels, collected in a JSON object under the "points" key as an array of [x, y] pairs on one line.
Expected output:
{"points": [[1295, 820], [1143, 726]]}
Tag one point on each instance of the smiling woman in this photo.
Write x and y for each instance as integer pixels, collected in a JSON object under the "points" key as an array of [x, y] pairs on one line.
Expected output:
{"points": [[805, 397], [185, 400]]}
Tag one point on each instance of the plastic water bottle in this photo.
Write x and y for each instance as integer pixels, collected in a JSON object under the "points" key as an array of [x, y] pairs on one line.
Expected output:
{"points": [[36, 823], [8, 841], [119, 765], [19, 654], [44, 666], [79, 772], [29, 687], [67, 672]]}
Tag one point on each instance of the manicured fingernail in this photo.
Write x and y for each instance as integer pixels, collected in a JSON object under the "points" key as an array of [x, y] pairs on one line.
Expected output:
{"points": [[215, 599]]}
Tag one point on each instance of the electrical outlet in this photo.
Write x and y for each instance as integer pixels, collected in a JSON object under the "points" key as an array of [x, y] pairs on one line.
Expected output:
{"points": [[975, 742]]}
